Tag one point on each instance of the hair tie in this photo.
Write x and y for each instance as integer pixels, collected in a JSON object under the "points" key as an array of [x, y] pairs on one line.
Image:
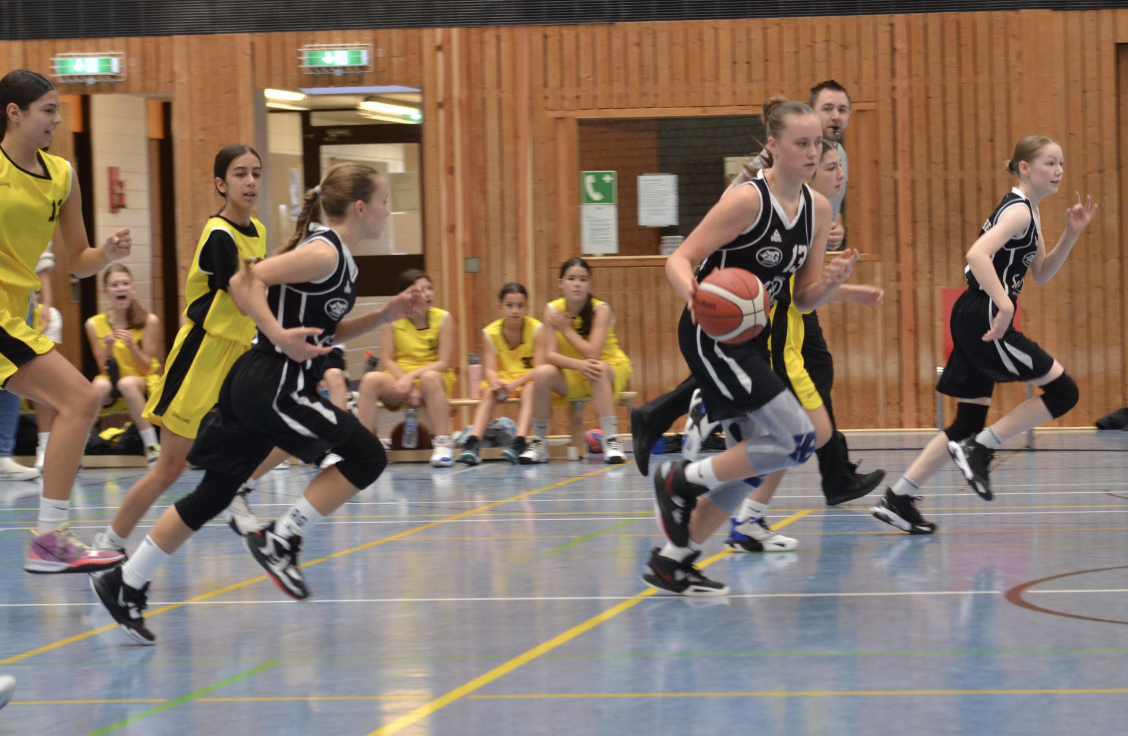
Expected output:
{"points": [[317, 190]]}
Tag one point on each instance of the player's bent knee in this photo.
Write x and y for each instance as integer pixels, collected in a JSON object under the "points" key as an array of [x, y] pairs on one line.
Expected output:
{"points": [[970, 421], [362, 458], [1060, 395], [211, 497]]}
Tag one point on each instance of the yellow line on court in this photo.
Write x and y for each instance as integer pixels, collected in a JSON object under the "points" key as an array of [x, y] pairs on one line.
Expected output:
{"points": [[501, 670], [87, 702], [286, 698], [236, 586], [803, 694]]}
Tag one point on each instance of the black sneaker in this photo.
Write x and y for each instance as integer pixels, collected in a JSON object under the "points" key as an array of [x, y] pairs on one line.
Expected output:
{"points": [[856, 485], [680, 577], [643, 437], [279, 557], [674, 501], [901, 512], [974, 461], [513, 452], [124, 603], [469, 454]]}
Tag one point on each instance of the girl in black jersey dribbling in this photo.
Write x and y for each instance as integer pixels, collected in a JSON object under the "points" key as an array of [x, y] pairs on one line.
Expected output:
{"points": [[987, 349], [774, 226], [270, 398]]}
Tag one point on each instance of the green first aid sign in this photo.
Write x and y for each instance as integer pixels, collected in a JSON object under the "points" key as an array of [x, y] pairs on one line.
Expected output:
{"points": [[598, 187]]}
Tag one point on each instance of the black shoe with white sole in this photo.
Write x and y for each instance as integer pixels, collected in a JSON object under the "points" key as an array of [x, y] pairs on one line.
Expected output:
{"points": [[279, 557], [901, 512], [856, 485], [125, 604], [974, 461], [681, 578], [674, 501]]}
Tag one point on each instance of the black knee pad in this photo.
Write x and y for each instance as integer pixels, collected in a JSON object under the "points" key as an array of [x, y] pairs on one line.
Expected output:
{"points": [[211, 497], [1060, 395], [970, 421], [362, 458]]}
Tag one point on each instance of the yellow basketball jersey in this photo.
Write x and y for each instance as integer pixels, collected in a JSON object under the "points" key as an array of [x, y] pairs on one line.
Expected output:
{"points": [[416, 347], [513, 361], [611, 354], [29, 210], [209, 304], [126, 365]]}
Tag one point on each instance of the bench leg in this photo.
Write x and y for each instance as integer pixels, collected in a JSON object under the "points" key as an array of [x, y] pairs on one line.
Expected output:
{"points": [[577, 418]]}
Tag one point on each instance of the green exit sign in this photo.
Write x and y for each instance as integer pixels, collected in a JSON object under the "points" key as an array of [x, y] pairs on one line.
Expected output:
{"points": [[74, 65], [326, 59]]}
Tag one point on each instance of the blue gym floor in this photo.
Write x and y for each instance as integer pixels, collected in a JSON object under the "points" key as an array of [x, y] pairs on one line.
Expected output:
{"points": [[501, 600]]}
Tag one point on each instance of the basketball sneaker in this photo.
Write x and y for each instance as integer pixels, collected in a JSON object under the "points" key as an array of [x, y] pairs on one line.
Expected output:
{"points": [[11, 470], [674, 501], [698, 428], [442, 452], [613, 451], [279, 557], [469, 455], [102, 541], [974, 461], [125, 603], [754, 535], [901, 512], [512, 453], [240, 517], [7, 688], [643, 438], [535, 452], [856, 485], [681, 578], [152, 453], [61, 551]]}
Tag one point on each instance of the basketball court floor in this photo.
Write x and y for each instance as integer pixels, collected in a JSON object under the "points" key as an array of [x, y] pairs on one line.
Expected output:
{"points": [[500, 600]]}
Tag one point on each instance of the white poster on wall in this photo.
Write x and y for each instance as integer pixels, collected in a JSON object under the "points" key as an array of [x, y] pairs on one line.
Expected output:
{"points": [[658, 200], [599, 229]]}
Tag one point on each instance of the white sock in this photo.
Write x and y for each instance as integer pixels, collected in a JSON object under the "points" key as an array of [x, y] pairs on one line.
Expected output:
{"points": [[113, 536], [701, 473], [298, 520], [43, 437], [51, 514], [149, 437], [989, 438], [679, 553], [610, 426], [751, 510], [905, 486], [142, 566], [540, 428]]}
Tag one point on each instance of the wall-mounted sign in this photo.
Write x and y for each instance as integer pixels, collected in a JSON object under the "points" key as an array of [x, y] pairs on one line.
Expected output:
{"points": [[599, 212], [658, 200], [336, 59], [89, 68]]}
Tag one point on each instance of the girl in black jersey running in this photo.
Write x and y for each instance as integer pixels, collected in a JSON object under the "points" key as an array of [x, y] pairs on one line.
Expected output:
{"points": [[987, 349], [270, 399], [774, 227]]}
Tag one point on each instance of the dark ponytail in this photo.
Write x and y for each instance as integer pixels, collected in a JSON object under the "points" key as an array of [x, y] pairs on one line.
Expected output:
{"points": [[512, 288], [587, 314], [22, 87]]}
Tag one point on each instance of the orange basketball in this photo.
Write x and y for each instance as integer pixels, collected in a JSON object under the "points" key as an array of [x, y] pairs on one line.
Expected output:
{"points": [[731, 305]]}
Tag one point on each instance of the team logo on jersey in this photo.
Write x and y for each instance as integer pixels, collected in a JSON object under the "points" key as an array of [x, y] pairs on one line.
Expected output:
{"points": [[56, 210], [773, 288], [1028, 259], [776, 237], [336, 308], [769, 257], [528, 363]]}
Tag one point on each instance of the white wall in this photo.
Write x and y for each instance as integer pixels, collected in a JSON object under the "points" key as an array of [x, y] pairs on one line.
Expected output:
{"points": [[120, 137]]}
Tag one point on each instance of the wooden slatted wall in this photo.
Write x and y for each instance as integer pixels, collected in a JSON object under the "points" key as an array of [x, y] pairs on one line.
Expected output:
{"points": [[939, 102]]}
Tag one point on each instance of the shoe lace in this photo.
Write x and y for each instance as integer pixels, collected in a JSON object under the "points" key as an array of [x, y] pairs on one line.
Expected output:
{"points": [[137, 598], [68, 537], [690, 570]]}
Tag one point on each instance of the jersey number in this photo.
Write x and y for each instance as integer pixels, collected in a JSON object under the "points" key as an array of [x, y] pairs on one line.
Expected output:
{"points": [[798, 256], [528, 363]]}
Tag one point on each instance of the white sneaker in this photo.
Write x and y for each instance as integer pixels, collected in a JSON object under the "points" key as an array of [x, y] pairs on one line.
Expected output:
{"points": [[11, 470], [535, 452], [330, 460], [697, 428], [40, 453], [754, 535], [152, 453], [102, 541], [442, 456], [240, 517], [613, 451], [7, 687]]}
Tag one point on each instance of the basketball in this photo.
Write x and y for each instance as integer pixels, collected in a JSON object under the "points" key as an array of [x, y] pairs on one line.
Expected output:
{"points": [[731, 306], [594, 440]]}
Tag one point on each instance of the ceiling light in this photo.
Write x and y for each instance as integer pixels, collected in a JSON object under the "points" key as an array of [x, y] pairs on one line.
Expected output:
{"points": [[389, 109], [284, 106], [284, 94]]}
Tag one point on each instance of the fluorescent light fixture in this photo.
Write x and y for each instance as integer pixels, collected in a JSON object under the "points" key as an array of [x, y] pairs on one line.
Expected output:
{"points": [[284, 94], [388, 109], [385, 90], [284, 106]]}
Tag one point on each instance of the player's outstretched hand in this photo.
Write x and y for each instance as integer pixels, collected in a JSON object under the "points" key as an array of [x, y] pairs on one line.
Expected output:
{"points": [[868, 295], [404, 304], [1078, 217], [294, 345], [837, 271], [119, 244]]}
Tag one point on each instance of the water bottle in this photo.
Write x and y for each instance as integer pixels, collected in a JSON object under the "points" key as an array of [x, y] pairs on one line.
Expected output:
{"points": [[474, 373], [411, 429], [371, 361]]}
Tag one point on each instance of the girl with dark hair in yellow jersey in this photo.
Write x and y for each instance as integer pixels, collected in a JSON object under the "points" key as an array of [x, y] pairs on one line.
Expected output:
{"points": [[37, 197]]}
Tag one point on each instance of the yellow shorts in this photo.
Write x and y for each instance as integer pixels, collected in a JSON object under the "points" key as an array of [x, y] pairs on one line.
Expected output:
{"points": [[801, 382], [19, 343], [118, 405], [579, 387], [195, 370], [449, 379]]}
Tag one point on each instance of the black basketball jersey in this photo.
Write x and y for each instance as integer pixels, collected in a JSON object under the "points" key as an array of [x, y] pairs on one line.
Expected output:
{"points": [[1012, 260], [773, 248], [315, 304]]}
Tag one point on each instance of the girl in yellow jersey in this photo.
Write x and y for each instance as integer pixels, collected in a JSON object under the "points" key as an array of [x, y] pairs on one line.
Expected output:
{"points": [[215, 334], [125, 333], [418, 357], [38, 194], [582, 358], [508, 355]]}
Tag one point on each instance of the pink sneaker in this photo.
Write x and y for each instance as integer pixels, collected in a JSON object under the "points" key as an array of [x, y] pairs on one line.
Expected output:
{"points": [[61, 551]]}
